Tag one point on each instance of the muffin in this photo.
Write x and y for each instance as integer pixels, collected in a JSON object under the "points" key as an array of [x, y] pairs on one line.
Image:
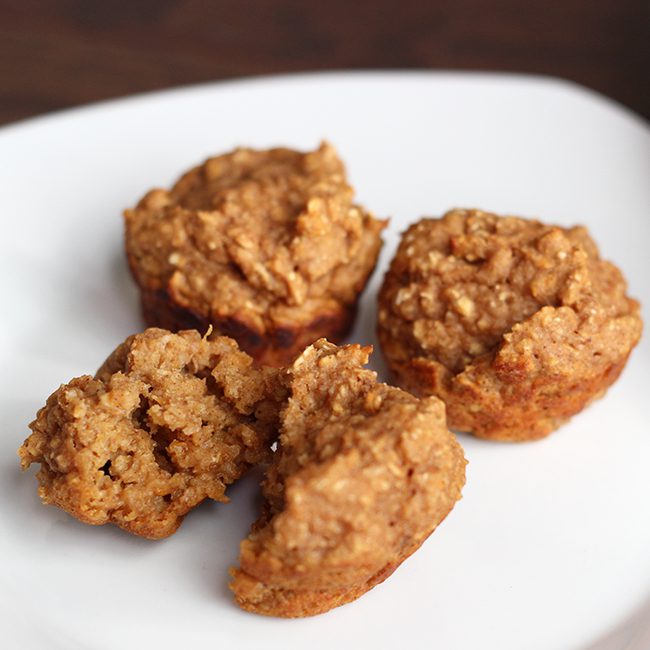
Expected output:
{"points": [[266, 246], [363, 474], [515, 324], [168, 421]]}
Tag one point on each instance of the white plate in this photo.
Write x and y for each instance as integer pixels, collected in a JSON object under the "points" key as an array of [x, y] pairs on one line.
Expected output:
{"points": [[549, 549]]}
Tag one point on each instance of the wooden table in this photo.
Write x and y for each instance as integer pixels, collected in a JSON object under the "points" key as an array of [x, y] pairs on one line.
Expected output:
{"points": [[66, 52]]}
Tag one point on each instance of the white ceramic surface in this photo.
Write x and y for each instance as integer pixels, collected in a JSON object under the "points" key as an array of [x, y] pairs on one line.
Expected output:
{"points": [[549, 548]]}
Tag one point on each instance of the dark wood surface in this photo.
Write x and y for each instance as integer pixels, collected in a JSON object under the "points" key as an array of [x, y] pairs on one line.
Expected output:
{"points": [[60, 53]]}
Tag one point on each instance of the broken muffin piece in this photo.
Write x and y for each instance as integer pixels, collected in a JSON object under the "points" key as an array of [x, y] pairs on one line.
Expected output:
{"points": [[515, 324], [168, 421], [363, 474], [266, 246]]}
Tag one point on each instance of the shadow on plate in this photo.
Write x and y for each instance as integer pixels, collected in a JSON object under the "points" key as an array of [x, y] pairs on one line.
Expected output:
{"points": [[632, 634]]}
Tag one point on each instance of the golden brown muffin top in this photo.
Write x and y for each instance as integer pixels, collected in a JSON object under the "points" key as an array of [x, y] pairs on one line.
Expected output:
{"points": [[257, 235], [459, 283]]}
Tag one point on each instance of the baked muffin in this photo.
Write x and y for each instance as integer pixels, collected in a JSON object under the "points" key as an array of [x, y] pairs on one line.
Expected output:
{"points": [[168, 421], [363, 474], [515, 324], [266, 246]]}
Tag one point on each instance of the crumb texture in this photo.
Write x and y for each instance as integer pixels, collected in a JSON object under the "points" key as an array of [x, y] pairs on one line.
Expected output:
{"points": [[363, 474], [168, 421], [267, 246], [515, 324]]}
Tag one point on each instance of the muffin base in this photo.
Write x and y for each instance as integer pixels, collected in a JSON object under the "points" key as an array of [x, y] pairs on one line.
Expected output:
{"points": [[526, 415], [277, 347]]}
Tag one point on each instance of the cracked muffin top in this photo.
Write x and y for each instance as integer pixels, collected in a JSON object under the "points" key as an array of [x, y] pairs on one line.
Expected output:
{"points": [[363, 474], [518, 322], [269, 238], [457, 284], [169, 420]]}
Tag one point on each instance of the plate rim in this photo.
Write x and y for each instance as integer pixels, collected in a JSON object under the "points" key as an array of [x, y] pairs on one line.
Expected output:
{"points": [[388, 74]]}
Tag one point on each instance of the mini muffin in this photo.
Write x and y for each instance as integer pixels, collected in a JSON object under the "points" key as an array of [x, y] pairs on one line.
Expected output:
{"points": [[363, 474], [168, 421], [266, 246], [516, 325]]}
